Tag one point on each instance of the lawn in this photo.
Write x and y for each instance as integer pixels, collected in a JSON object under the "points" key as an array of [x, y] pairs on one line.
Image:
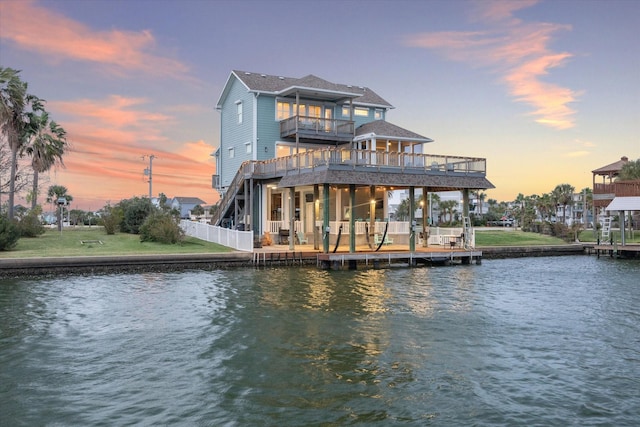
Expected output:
{"points": [[590, 236], [514, 238], [86, 241]]}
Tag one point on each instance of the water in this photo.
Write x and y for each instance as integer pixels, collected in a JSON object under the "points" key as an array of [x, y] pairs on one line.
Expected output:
{"points": [[545, 341]]}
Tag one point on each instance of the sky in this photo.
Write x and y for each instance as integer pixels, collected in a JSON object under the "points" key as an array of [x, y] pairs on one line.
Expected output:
{"points": [[546, 91]]}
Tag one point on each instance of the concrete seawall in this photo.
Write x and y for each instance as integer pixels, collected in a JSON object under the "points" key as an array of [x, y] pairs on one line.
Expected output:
{"points": [[38, 267]]}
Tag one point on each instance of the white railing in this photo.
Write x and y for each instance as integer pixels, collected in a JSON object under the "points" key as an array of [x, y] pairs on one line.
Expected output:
{"points": [[443, 236], [239, 240]]}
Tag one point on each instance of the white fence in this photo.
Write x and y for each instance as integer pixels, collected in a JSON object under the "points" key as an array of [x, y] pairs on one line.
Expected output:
{"points": [[239, 240]]}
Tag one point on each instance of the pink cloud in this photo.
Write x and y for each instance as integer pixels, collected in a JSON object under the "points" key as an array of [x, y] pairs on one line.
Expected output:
{"points": [[518, 52], [108, 140], [38, 29]]}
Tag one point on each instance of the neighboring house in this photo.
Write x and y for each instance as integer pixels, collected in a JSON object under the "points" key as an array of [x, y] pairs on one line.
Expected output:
{"points": [[184, 205], [317, 157]]}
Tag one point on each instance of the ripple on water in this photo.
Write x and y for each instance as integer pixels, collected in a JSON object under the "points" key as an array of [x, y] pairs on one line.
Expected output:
{"points": [[551, 341]]}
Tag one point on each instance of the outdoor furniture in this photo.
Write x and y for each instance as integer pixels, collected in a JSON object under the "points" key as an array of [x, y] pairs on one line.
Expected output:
{"points": [[301, 238], [283, 236], [377, 239]]}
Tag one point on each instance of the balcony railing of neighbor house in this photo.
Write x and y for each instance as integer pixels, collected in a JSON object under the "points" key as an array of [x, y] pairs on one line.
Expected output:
{"points": [[604, 193], [317, 128]]}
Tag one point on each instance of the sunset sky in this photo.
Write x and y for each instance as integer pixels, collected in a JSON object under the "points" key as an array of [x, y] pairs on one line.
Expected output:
{"points": [[546, 91]]}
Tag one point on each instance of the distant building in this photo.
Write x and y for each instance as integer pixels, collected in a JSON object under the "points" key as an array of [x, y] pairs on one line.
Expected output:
{"points": [[184, 205]]}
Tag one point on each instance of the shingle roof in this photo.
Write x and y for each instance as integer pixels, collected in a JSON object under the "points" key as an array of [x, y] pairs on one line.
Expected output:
{"points": [[190, 200], [257, 82], [384, 129], [436, 182], [612, 168]]}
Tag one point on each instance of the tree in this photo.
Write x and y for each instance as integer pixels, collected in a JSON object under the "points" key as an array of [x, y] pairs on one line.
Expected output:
{"points": [[13, 103], [54, 195], [629, 171], [563, 195], [449, 207], [480, 196], [46, 143]]}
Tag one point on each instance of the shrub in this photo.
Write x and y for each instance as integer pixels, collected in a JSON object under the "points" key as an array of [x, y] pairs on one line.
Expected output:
{"points": [[135, 212], [30, 225], [9, 234], [161, 228], [111, 219]]}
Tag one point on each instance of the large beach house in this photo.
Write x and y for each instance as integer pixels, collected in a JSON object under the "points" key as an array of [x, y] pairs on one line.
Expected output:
{"points": [[308, 160]]}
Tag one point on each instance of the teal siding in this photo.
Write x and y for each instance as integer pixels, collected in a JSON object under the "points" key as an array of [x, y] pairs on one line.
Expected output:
{"points": [[234, 134], [359, 120], [268, 127]]}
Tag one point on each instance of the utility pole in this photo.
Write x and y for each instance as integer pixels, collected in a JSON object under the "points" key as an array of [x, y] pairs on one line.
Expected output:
{"points": [[149, 172]]}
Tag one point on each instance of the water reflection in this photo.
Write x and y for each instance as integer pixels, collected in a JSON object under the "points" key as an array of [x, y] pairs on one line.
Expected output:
{"points": [[510, 342]]}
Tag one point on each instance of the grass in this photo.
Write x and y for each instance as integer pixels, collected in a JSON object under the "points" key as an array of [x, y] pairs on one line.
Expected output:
{"points": [[590, 236], [69, 242], [514, 238]]}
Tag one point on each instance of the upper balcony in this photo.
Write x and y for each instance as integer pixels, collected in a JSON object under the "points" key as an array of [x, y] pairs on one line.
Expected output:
{"points": [[318, 129]]}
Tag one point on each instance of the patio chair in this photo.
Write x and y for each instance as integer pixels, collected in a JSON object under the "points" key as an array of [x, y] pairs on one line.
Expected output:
{"points": [[301, 238]]}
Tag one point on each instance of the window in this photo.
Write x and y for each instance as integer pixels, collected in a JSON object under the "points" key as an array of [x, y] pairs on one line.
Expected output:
{"points": [[359, 111], [232, 153], [248, 147], [378, 115], [239, 111], [345, 111], [283, 110]]}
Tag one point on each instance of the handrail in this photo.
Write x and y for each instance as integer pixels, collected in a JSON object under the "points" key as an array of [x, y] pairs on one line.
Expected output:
{"points": [[359, 159]]}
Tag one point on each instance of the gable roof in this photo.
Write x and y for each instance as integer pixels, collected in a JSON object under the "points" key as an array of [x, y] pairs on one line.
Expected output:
{"points": [[308, 85], [189, 200], [613, 168], [385, 130]]}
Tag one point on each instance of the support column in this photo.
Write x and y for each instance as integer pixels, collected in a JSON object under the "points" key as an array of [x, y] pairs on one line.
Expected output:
{"points": [[352, 219], [465, 202], [372, 214], [292, 216], [412, 219], [316, 215], [325, 220], [425, 217]]}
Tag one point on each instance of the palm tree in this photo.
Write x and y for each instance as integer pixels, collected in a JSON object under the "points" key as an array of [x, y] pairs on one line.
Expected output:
{"points": [[563, 195], [629, 171], [13, 100], [449, 207], [58, 193], [480, 196], [45, 147]]}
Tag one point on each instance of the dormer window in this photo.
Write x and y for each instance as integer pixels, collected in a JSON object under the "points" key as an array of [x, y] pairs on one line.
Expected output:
{"points": [[378, 114]]}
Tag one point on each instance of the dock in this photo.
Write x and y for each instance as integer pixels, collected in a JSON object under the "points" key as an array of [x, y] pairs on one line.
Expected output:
{"points": [[389, 257], [615, 250]]}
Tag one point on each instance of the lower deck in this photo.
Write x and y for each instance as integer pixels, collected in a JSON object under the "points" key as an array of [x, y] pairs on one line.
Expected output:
{"points": [[364, 257]]}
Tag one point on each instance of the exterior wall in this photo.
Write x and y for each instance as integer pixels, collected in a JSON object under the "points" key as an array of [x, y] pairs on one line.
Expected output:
{"points": [[234, 134], [359, 120], [268, 128]]}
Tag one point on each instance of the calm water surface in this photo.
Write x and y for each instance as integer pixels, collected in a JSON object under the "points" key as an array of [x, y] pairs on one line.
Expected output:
{"points": [[546, 341]]}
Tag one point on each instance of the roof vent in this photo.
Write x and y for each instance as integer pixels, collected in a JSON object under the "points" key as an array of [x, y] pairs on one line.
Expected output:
{"points": [[263, 75], [281, 78], [349, 86], [246, 73]]}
